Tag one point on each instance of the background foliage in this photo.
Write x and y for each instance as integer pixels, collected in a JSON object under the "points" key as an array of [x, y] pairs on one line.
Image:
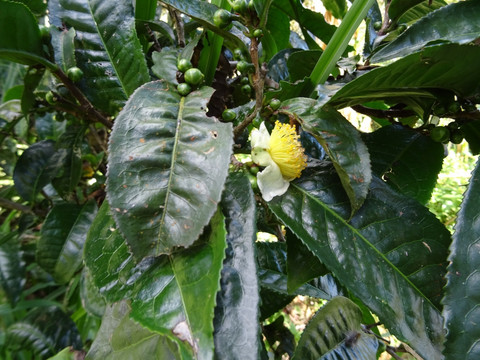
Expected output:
{"points": [[129, 203]]}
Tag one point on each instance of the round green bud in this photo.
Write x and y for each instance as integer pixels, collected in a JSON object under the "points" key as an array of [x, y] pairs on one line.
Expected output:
{"points": [[240, 6], [74, 73], [439, 110], [377, 25], [44, 32], [244, 80], [440, 134], [229, 115], [457, 136], [275, 104], [253, 182], [254, 170], [222, 18], [246, 89], [454, 107], [258, 33], [193, 76], [237, 54], [183, 65], [453, 125], [50, 98], [244, 67], [184, 89], [257, 122]]}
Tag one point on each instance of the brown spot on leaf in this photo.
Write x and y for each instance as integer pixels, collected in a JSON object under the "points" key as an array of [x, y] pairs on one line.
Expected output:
{"points": [[142, 140]]}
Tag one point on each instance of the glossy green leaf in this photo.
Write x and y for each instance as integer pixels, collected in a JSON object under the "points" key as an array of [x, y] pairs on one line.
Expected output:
{"points": [[461, 299], [342, 143], [44, 331], [69, 150], [278, 25], [471, 130], [277, 66], [448, 66], [66, 354], [64, 47], [338, 8], [398, 7], [177, 296], [335, 332], [382, 253], [107, 257], [92, 300], [164, 190], [107, 49], [12, 267], [35, 169], [309, 21], [301, 63], [420, 10], [202, 12], [394, 154], [272, 273], [59, 250], [20, 39], [298, 254], [236, 333], [457, 23], [121, 338], [165, 65]]}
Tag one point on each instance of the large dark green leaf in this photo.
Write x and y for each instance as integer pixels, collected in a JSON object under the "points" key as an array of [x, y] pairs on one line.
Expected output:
{"points": [[120, 338], [202, 12], [398, 7], [107, 48], [12, 267], [461, 300], [44, 331], [35, 168], [394, 152], [20, 39], [342, 143], [165, 188], [393, 249], [106, 255], [236, 332], [164, 291], [165, 65], [335, 332], [278, 25], [177, 296], [420, 10], [471, 130], [60, 248], [457, 23], [448, 66]]}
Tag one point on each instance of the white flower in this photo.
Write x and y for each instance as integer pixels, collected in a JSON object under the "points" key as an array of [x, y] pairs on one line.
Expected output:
{"points": [[282, 155]]}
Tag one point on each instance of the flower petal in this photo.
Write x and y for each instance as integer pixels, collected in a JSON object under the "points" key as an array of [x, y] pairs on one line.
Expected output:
{"points": [[260, 137], [271, 182]]}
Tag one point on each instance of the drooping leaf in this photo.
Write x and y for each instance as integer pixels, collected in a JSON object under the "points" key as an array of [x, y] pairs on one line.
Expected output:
{"points": [[20, 39], [30, 81], [394, 152], [164, 190], [12, 267], [463, 281], [457, 23], [35, 169], [107, 49], [121, 338], [44, 331], [383, 250], [335, 332], [184, 287], [448, 66], [236, 333], [62, 238], [342, 143]]}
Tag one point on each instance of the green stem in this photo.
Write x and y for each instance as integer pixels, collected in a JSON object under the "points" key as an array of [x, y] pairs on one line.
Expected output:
{"points": [[339, 41]]}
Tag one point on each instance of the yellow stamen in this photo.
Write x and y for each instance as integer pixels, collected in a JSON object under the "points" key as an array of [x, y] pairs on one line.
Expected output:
{"points": [[286, 150]]}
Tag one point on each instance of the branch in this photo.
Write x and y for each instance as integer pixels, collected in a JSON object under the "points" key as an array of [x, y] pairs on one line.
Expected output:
{"points": [[385, 114], [12, 205]]}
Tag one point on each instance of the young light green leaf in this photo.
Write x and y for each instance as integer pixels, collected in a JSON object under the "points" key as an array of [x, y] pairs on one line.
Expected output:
{"points": [[463, 281], [457, 23], [164, 190], [335, 332], [62, 238]]}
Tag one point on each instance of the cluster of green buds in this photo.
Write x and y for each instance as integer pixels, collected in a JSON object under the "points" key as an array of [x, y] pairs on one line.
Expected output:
{"points": [[193, 77]]}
